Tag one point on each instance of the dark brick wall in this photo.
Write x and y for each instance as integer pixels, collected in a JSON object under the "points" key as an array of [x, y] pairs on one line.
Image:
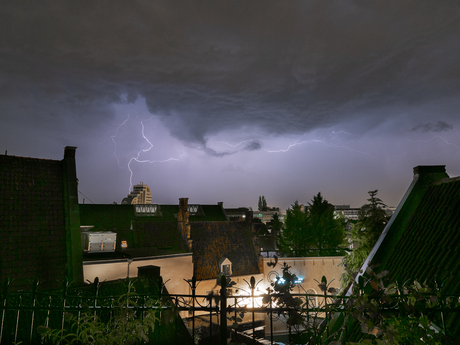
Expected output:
{"points": [[214, 240], [32, 223]]}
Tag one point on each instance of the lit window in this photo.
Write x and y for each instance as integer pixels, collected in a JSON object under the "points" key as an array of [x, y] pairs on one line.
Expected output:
{"points": [[225, 266], [226, 269]]}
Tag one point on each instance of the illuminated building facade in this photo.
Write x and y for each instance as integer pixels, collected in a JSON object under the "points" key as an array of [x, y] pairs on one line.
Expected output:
{"points": [[140, 195]]}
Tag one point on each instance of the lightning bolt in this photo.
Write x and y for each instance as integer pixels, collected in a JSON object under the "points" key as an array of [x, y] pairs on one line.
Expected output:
{"points": [[432, 139], [137, 158], [324, 142], [321, 142], [286, 150], [115, 143]]}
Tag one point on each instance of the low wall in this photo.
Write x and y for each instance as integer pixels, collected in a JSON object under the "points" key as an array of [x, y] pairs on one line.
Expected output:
{"points": [[174, 269]]}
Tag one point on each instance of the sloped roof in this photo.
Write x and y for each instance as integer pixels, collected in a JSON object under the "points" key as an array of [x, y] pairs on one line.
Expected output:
{"points": [[212, 213], [233, 240], [429, 247], [108, 217], [422, 240], [154, 234]]}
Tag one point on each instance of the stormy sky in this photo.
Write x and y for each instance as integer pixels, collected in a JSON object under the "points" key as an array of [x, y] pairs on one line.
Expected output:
{"points": [[229, 100]]}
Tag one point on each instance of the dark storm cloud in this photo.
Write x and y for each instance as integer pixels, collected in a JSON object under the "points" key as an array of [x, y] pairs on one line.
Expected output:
{"points": [[252, 146], [440, 126], [215, 153], [207, 66]]}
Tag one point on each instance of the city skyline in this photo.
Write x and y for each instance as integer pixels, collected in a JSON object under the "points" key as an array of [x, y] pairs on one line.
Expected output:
{"points": [[230, 101]]}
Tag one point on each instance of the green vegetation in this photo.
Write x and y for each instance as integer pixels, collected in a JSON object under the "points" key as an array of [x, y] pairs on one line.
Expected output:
{"points": [[313, 230], [374, 313], [364, 234], [275, 225], [128, 324], [262, 205]]}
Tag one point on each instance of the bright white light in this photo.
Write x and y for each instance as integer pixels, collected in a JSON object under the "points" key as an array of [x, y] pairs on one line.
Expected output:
{"points": [[280, 280]]}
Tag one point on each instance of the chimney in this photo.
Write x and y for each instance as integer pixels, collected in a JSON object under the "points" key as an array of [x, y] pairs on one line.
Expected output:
{"points": [[69, 151], [183, 223], [426, 174], [421, 170]]}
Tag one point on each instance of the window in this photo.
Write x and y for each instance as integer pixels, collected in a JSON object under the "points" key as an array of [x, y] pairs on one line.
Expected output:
{"points": [[226, 269], [225, 266]]}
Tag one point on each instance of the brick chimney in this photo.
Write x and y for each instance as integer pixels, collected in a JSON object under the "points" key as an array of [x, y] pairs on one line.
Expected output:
{"points": [[426, 174], [183, 223]]}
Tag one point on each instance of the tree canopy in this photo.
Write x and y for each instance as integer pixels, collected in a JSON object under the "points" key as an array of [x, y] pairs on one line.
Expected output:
{"points": [[365, 233], [312, 229], [262, 205], [275, 225]]}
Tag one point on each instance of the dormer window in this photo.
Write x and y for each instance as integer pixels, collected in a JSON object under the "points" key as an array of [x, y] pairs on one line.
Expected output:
{"points": [[225, 266]]}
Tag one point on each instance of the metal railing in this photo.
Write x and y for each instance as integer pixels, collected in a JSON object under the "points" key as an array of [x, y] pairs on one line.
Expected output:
{"points": [[222, 316]]}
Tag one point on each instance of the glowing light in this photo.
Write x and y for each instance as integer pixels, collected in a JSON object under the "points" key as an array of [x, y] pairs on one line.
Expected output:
{"points": [[281, 280]]}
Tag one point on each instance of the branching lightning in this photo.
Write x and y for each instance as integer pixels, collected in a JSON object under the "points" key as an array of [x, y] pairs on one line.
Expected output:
{"points": [[145, 160], [324, 142], [137, 157], [286, 150], [321, 142], [432, 139]]}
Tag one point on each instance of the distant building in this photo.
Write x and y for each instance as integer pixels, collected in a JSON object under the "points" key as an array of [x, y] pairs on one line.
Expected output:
{"points": [[353, 213], [266, 216], [140, 195], [239, 214], [177, 230], [347, 212]]}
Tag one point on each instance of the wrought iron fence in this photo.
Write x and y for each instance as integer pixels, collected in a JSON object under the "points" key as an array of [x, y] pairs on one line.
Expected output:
{"points": [[22, 312]]}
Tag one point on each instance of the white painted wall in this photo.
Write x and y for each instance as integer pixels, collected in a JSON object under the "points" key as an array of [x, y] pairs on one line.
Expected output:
{"points": [[174, 269]]}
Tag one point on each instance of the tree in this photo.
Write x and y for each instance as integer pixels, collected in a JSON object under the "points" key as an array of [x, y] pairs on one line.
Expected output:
{"points": [[275, 224], [294, 237], [364, 234], [262, 206], [312, 228], [328, 231]]}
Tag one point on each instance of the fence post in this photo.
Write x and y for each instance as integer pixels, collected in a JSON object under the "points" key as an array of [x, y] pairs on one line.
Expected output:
{"points": [[34, 298], [65, 285], [193, 306], [253, 286], [271, 318], [223, 310], [6, 283]]}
